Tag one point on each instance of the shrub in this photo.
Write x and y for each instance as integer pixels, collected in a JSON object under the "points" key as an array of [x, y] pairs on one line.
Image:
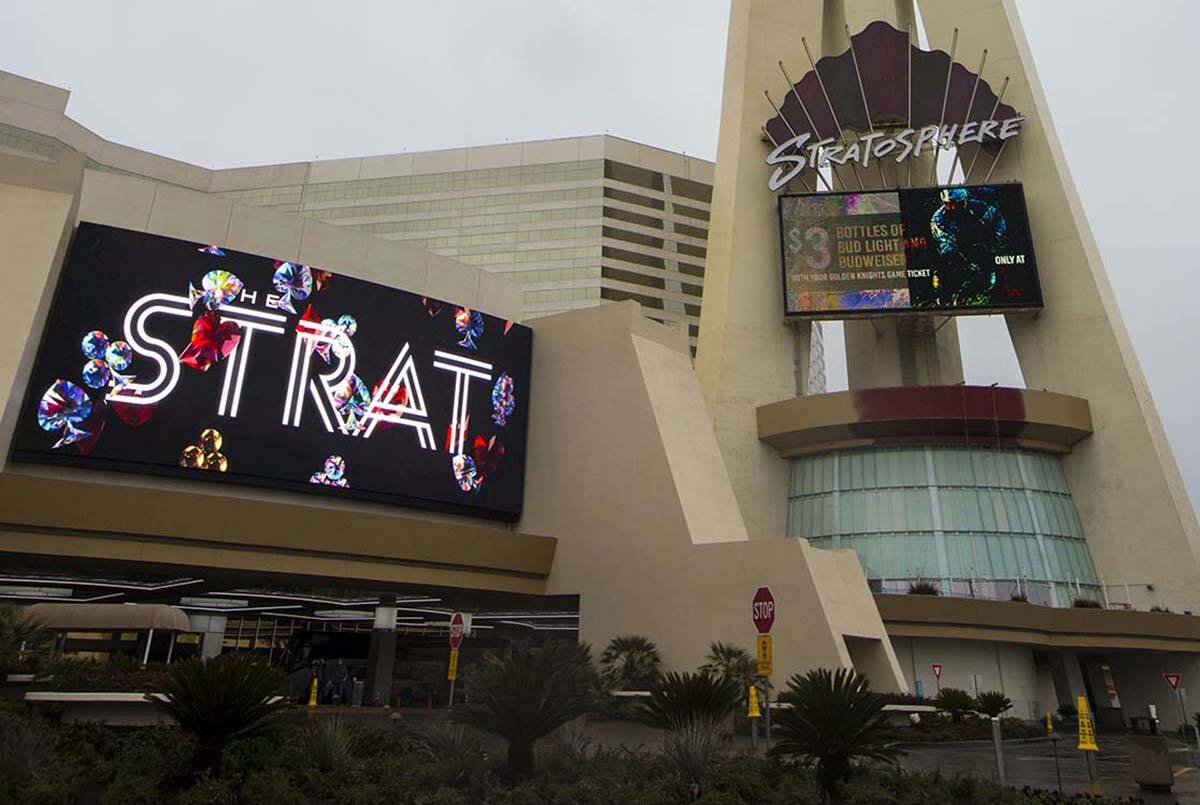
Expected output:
{"points": [[208, 791], [954, 701], [527, 696], [631, 662], [992, 703], [834, 719], [24, 746], [455, 752], [682, 698], [272, 787], [22, 638], [326, 743], [923, 588], [1157, 608], [692, 749], [1020, 597], [1068, 712], [132, 790], [219, 700], [1086, 603]]}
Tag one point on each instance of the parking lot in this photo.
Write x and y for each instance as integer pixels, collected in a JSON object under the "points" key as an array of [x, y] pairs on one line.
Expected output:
{"points": [[1031, 763]]}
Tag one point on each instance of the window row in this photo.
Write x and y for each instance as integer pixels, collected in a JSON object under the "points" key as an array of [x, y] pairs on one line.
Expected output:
{"points": [[952, 466], [465, 223], [458, 204], [969, 556], [561, 295], [456, 180], [903, 510]]}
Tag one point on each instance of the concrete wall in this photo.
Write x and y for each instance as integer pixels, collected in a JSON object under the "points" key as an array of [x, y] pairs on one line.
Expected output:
{"points": [[1124, 479], [1006, 667], [624, 468]]}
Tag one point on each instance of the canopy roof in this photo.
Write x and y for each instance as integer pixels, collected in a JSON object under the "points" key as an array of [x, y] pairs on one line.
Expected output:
{"points": [[110, 617]]}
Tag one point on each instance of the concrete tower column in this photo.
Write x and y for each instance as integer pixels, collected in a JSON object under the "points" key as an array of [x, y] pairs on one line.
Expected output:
{"points": [[1135, 512]]}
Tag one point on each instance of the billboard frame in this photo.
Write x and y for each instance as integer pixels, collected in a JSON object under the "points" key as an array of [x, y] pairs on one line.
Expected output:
{"points": [[889, 313], [98, 467]]}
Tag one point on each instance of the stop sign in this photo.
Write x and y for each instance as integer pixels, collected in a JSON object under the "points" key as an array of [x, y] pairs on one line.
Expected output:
{"points": [[762, 610], [456, 630]]}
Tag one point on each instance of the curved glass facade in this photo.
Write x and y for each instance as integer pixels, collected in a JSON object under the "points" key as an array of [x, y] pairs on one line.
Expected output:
{"points": [[986, 522]]}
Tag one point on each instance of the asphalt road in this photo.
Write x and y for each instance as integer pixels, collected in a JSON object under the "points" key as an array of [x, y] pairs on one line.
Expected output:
{"points": [[1032, 763]]}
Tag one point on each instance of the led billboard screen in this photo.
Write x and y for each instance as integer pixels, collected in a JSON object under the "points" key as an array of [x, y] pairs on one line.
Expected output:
{"points": [[177, 358], [937, 249]]}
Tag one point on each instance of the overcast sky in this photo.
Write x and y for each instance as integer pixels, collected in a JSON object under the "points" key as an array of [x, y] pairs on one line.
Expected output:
{"points": [[226, 82]]}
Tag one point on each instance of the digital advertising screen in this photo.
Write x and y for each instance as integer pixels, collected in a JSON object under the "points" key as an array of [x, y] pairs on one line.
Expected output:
{"points": [[184, 359], [964, 249]]}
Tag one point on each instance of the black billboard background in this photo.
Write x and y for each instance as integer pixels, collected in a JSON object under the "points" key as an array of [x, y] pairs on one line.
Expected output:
{"points": [[108, 269], [984, 222]]}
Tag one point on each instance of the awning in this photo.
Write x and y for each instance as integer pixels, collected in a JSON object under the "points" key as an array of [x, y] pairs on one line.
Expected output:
{"points": [[110, 617]]}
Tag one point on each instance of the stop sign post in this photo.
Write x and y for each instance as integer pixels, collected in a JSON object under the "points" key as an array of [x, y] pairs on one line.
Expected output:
{"points": [[762, 612], [456, 638]]}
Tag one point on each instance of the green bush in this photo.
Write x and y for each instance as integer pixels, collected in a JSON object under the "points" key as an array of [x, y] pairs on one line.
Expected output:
{"points": [[25, 745], [132, 790], [834, 720], [681, 698], [956, 702], [220, 700], [692, 750], [923, 588], [208, 791], [456, 753], [272, 787], [527, 696], [326, 743], [60, 673], [23, 639]]}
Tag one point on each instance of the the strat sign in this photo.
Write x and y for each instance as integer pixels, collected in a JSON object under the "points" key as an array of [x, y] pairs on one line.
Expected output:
{"points": [[167, 356]]}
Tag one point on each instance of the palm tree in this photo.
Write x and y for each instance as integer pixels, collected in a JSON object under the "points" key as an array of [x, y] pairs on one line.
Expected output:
{"points": [[682, 699], [631, 662], [218, 700], [529, 695], [19, 633], [728, 661], [992, 703], [834, 718]]}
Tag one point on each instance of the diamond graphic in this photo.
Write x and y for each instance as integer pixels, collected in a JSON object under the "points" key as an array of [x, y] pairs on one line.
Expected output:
{"points": [[212, 340], [503, 399], [293, 282], [469, 324], [96, 374], [94, 344], [217, 288]]}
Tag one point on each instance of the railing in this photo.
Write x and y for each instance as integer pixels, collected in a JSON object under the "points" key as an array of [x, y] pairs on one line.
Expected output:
{"points": [[1033, 591]]}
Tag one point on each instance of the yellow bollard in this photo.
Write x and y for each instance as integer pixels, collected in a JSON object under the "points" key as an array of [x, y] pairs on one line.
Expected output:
{"points": [[1087, 745], [1049, 723], [312, 693], [1087, 732]]}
